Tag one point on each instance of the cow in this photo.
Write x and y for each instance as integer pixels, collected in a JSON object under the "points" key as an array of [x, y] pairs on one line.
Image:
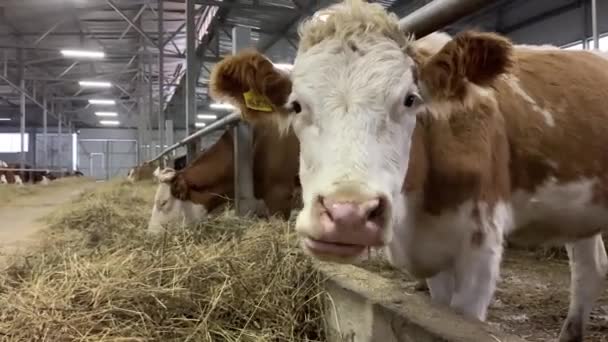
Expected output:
{"points": [[496, 141], [207, 183], [142, 172]]}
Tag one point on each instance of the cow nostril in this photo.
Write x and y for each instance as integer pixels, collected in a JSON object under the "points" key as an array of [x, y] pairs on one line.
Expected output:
{"points": [[377, 212]]}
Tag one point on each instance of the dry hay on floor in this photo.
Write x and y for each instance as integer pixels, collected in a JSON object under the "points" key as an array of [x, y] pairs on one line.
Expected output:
{"points": [[10, 192], [98, 277]]}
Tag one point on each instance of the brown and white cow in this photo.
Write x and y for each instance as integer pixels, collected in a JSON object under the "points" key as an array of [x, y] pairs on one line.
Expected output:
{"points": [[142, 172], [208, 182], [495, 141]]}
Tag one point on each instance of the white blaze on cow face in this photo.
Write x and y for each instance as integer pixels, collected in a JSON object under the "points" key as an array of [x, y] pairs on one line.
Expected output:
{"points": [[18, 180], [45, 181], [3, 179], [170, 210]]}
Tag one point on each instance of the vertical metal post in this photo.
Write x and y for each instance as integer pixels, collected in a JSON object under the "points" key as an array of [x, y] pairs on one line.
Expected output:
{"points": [[596, 36], [142, 95], [190, 93], [45, 133], [243, 143], [59, 138], [22, 105], [107, 159], [161, 76], [5, 63]]}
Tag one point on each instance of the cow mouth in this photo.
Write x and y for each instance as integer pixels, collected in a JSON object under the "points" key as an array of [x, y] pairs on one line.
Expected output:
{"points": [[344, 250]]}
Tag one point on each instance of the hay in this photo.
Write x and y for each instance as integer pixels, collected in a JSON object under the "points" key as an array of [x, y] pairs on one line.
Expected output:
{"points": [[10, 192], [98, 277]]}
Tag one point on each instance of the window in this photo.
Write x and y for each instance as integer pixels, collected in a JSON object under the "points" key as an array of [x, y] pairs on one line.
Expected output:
{"points": [[11, 142], [603, 43]]}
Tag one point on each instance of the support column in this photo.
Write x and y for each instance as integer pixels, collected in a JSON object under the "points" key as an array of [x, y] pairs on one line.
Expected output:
{"points": [[243, 143], [22, 106], [59, 138], [161, 75], [190, 93], [45, 133], [596, 36]]}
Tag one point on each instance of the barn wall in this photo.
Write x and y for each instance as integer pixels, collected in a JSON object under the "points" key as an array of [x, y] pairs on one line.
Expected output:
{"points": [[563, 28]]}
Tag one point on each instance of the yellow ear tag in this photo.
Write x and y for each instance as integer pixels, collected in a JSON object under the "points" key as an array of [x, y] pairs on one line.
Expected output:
{"points": [[257, 102]]}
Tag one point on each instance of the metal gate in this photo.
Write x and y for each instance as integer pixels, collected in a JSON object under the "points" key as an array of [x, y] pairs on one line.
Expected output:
{"points": [[106, 158]]}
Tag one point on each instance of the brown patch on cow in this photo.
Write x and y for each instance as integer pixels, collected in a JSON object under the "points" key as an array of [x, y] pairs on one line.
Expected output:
{"points": [[245, 71], [472, 57]]}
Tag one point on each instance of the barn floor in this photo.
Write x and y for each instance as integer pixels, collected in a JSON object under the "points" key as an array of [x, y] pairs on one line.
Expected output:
{"points": [[531, 300], [22, 210]]}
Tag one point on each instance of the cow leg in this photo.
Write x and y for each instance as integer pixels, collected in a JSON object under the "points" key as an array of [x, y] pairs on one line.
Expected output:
{"points": [[441, 287], [588, 269], [476, 274]]}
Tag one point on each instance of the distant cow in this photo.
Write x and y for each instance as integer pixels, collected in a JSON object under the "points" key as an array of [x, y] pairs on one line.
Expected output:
{"points": [[495, 140], [142, 172], [208, 182]]}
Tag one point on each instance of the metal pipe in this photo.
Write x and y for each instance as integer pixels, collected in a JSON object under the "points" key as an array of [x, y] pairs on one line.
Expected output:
{"points": [[225, 121], [596, 35], [23, 92], [24, 169], [45, 135], [161, 76], [59, 150], [136, 18], [104, 140], [439, 13], [128, 20], [22, 128], [190, 94]]}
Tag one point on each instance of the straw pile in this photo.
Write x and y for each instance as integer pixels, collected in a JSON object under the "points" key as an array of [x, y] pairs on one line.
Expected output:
{"points": [[98, 277], [9, 192]]}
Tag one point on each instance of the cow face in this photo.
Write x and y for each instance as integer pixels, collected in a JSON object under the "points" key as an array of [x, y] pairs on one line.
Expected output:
{"points": [[352, 99], [169, 209], [3, 179]]}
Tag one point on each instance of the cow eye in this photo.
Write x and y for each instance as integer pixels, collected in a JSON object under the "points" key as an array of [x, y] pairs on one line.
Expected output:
{"points": [[410, 100], [296, 107]]}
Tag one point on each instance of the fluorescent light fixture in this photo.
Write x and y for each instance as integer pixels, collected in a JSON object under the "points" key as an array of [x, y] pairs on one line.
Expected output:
{"points": [[106, 113], [207, 116], [283, 65], [96, 84], [102, 102], [5, 119], [221, 106], [200, 124], [109, 122], [83, 53]]}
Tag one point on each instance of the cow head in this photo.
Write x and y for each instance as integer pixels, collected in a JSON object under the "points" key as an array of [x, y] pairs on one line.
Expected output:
{"points": [[171, 209], [353, 96], [3, 179]]}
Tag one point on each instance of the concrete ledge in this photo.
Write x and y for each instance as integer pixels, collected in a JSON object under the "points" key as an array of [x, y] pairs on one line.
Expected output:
{"points": [[364, 307]]}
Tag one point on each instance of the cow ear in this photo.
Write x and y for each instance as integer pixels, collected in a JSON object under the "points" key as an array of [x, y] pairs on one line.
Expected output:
{"points": [[250, 81], [471, 57]]}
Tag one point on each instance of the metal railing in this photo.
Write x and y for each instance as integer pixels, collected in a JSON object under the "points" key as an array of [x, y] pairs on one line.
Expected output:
{"points": [[221, 123]]}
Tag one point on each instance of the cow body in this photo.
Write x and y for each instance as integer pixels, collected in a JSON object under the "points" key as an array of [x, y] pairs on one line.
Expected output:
{"points": [[208, 182], [494, 140]]}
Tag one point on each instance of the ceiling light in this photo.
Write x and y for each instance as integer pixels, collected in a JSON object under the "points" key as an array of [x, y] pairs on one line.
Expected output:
{"points": [[83, 54], [200, 124], [97, 84], [207, 116], [221, 106], [5, 119], [283, 65], [109, 122], [101, 102], [106, 113]]}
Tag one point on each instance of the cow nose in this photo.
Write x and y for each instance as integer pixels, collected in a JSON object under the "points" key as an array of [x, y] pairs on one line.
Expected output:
{"points": [[354, 214]]}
